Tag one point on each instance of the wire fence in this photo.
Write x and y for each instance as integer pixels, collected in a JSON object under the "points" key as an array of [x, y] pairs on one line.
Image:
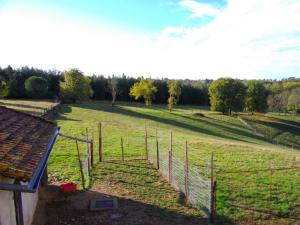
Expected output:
{"points": [[198, 189], [246, 183]]}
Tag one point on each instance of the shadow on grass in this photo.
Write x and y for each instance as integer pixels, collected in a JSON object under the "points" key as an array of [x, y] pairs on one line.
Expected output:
{"points": [[290, 122], [65, 109], [118, 109], [75, 210]]}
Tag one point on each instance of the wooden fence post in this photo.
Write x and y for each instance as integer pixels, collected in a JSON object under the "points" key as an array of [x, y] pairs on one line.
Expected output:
{"points": [[213, 190], [213, 202], [88, 150], [270, 188], [92, 153], [186, 176], [171, 158], [122, 148], [80, 165], [100, 141], [146, 143], [157, 150]]}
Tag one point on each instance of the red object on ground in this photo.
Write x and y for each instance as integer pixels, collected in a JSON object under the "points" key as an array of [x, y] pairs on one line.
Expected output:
{"points": [[68, 187]]}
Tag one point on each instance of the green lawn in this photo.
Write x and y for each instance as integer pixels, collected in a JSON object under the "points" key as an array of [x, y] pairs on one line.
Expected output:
{"points": [[235, 146]]}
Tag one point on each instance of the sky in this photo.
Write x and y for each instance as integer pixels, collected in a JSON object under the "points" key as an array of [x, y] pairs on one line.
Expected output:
{"points": [[177, 39]]}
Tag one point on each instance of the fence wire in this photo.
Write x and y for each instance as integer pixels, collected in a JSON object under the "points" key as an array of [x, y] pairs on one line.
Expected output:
{"points": [[186, 179]]}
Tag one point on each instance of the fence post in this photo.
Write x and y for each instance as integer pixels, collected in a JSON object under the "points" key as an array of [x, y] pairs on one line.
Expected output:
{"points": [[186, 172], [170, 157], [212, 190], [100, 141], [92, 153], [80, 165], [88, 150], [146, 143], [157, 150], [270, 188], [213, 202], [122, 148]]}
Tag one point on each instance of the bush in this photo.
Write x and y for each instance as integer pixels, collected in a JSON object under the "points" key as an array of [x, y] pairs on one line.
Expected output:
{"points": [[36, 87]]}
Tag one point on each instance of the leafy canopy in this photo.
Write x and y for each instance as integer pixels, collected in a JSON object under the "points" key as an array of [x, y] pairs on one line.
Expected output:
{"points": [[227, 95], [4, 88], [293, 103], [143, 89], [256, 97], [76, 86], [174, 90], [36, 87]]}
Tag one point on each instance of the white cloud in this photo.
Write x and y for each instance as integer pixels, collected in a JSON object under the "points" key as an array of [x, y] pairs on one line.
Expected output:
{"points": [[199, 9], [243, 41]]}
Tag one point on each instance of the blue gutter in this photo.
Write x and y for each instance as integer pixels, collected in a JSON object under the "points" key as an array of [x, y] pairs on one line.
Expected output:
{"points": [[33, 185]]}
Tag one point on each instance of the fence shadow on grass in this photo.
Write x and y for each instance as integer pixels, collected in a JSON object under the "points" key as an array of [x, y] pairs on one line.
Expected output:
{"points": [[118, 109]]}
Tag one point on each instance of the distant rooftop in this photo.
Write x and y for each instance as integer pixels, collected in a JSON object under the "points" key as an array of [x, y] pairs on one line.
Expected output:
{"points": [[24, 140]]}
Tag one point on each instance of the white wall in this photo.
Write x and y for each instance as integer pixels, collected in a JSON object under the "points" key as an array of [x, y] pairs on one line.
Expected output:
{"points": [[7, 208]]}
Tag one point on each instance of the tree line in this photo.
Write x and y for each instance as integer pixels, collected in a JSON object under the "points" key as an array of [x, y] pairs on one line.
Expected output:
{"points": [[226, 95], [193, 92]]}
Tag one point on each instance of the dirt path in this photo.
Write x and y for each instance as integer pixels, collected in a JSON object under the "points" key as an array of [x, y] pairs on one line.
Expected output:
{"points": [[143, 198]]}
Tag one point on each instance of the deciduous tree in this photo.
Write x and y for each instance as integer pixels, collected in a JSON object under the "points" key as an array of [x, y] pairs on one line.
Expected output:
{"points": [[76, 86], [256, 97], [113, 89], [36, 87], [227, 95], [143, 89], [174, 90]]}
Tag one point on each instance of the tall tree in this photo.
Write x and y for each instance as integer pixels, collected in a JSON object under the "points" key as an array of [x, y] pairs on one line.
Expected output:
{"points": [[256, 97], [278, 102], [143, 89], [4, 88], [36, 87], [174, 90], [76, 86], [293, 103], [113, 88], [227, 95]]}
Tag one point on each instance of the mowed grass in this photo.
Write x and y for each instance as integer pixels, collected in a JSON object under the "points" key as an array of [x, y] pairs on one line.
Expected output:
{"points": [[138, 182], [34, 107], [235, 148], [284, 130]]}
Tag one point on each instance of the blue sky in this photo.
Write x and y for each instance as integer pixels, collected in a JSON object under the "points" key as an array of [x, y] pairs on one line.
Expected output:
{"points": [[194, 39]]}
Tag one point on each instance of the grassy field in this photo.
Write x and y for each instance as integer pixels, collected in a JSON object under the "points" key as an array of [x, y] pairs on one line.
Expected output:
{"points": [[34, 107], [284, 130], [236, 148]]}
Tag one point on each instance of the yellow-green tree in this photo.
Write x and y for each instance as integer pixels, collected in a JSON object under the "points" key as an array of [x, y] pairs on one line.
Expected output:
{"points": [[143, 89], [174, 90], [4, 88], [76, 86]]}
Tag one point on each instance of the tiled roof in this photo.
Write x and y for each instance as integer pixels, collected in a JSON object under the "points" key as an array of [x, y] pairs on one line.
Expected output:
{"points": [[24, 140]]}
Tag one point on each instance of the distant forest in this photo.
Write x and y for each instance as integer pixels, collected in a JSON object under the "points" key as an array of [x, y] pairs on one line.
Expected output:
{"points": [[192, 91]]}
